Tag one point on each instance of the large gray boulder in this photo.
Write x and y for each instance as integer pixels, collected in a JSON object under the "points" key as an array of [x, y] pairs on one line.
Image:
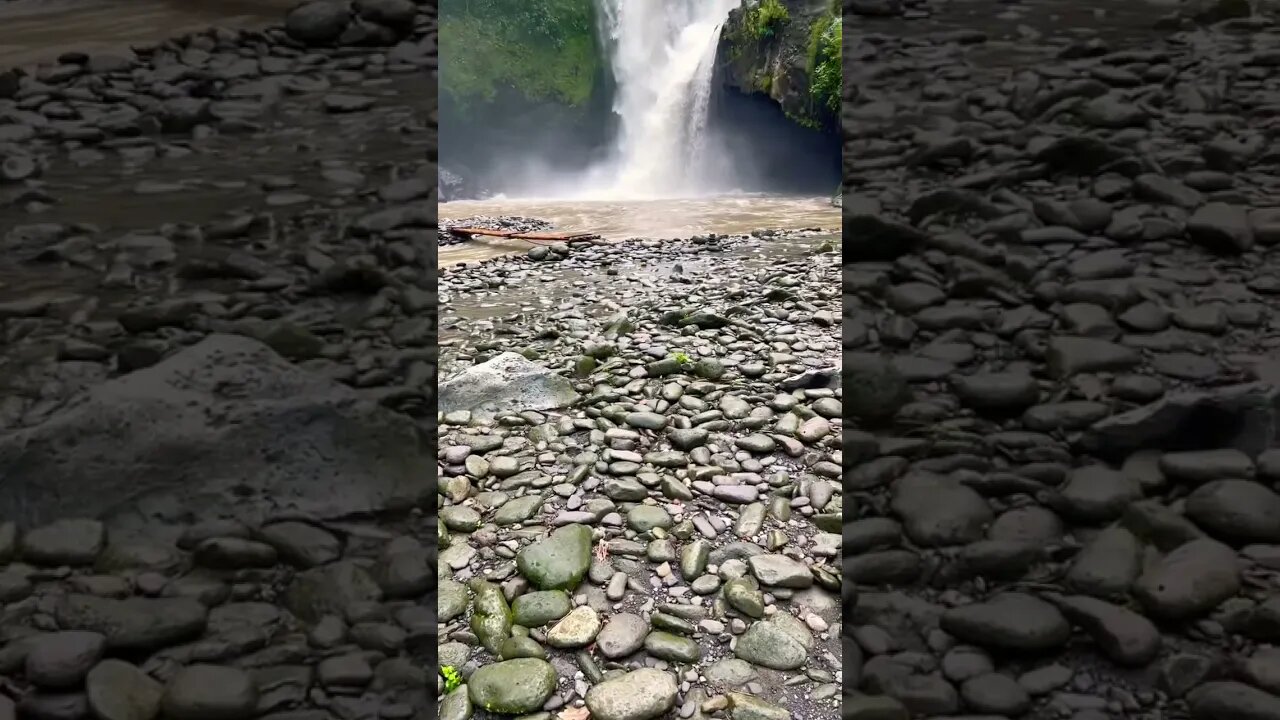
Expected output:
{"points": [[507, 383], [319, 22], [225, 428]]}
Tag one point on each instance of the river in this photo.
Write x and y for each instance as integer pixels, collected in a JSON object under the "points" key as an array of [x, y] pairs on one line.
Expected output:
{"points": [[622, 219], [39, 30]]}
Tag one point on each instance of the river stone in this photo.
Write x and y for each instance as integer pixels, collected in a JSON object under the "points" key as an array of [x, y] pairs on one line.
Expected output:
{"points": [[575, 630], [560, 561], [319, 22], [491, 617], [521, 509], [1009, 621], [874, 390], [939, 511], [133, 623], [622, 635], [749, 707], [730, 672], [1232, 701], [780, 571], [210, 692], [521, 647], [1190, 581], [76, 541], [507, 383], [452, 599], [1123, 635], [536, 609], [62, 659], [117, 690], [1240, 511], [671, 647], [456, 705], [641, 694], [213, 431], [644, 518], [330, 589], [780, 643], [512, 687]]}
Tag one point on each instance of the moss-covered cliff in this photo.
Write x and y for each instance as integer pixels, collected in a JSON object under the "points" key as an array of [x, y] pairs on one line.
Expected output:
{"points": [[546, 50], [788, 50], [520, 79]]}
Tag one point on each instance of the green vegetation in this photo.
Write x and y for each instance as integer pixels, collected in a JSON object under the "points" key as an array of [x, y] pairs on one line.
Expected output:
{"points": [[682, 358], [452, 678], [766, 19], [825, 74], [545, 49]]}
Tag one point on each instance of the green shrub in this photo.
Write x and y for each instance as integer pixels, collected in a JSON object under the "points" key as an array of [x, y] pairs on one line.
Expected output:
{"points": [[766, 19], [826, 76]]}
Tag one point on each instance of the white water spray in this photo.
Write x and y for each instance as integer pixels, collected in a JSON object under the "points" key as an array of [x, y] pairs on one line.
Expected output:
{"points": [[663, 57]]}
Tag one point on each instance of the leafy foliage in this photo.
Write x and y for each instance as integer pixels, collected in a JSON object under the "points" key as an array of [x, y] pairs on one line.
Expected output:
{"points": [[545, 49], [826, 75], [452, 678], [766, 19]]}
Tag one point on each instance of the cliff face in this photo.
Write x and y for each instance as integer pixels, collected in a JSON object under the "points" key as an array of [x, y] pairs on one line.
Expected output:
{"points": [[516, 76], [789, 51]]}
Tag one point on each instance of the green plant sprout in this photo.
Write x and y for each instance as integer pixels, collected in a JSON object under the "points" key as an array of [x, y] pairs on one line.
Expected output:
{"points": [[682, 358], [452, 678]]}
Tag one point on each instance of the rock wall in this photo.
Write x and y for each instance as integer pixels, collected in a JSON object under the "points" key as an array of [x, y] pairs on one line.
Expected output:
{"points": [[764, 51], [516, 77]]}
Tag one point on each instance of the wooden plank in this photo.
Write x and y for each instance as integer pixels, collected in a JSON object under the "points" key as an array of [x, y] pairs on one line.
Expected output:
{"points": [[516, 235], [481, 231], [554, 236]]}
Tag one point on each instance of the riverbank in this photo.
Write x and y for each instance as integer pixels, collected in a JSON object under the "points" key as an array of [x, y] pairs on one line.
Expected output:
{"points": [[624, 219], [687, 467], [1060, 286], [218, 317]]}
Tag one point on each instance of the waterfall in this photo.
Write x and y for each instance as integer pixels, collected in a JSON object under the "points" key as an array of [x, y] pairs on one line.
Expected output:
{"points": [[662, 54]]}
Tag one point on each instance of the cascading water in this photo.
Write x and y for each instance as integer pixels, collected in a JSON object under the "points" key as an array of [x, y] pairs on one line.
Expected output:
{"points": [[663, 58]]}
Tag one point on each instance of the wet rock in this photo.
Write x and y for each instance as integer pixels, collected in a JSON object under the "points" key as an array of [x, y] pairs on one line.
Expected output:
{"points": [[637, 695], [936, 511], [1222, 228], [62, 660], [1009, 621], [507, 383], [1231, 701], [319, 22], [512, 687], [1236, 511], [780, 642], [117, 690], [169, 411], [1189, 581], [210, 692], [560, 561], [577, 629], [134, 623]]}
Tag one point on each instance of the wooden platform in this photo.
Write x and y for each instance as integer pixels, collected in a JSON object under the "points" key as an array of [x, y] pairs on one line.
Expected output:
{"points": [[538, 237]]}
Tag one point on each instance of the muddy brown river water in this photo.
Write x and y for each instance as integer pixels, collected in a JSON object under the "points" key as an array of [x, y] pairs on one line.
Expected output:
{"points": [[619, 220], [33, 31]]}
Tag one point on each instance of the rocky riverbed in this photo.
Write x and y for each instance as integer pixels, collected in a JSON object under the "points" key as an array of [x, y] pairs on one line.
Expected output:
{"points": [[218, 307], [639, 472], [1060, 309]]}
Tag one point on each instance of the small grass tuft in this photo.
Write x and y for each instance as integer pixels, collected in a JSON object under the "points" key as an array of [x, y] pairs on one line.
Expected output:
{"points": [[766, 19], [452, 678]]}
